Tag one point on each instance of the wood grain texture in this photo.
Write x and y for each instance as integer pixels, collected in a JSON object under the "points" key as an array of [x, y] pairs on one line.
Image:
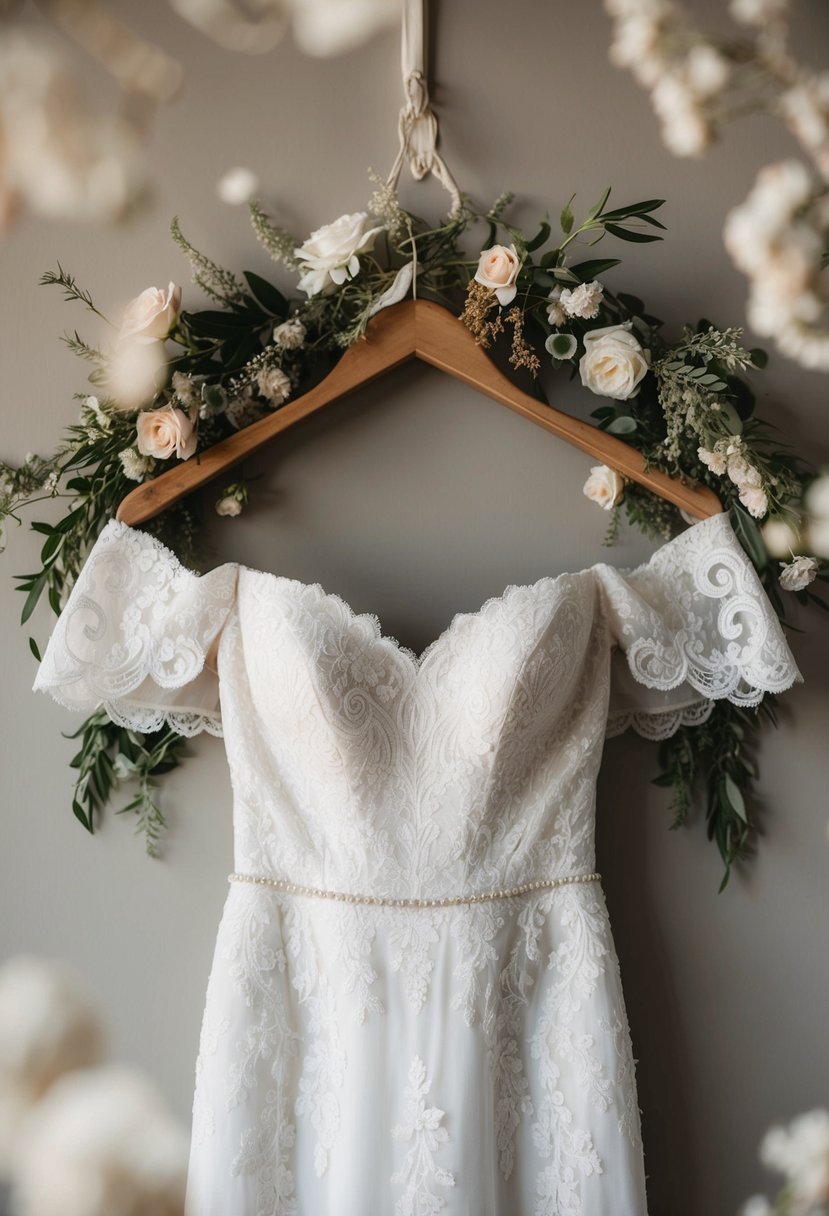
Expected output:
{"points": [[415, 329]]}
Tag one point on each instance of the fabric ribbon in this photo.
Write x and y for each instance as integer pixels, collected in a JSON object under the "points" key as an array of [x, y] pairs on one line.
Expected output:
{"points": [[418, 124]]}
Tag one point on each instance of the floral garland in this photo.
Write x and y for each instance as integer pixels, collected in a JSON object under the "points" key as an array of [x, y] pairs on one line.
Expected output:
{"points": [[173, 382]]}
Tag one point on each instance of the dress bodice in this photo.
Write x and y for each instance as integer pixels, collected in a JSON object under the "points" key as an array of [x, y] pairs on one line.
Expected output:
{"points": [[358, 766]]}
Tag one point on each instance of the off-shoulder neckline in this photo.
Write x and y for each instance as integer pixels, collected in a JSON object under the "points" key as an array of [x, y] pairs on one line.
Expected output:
{"points": [[545, 582]]}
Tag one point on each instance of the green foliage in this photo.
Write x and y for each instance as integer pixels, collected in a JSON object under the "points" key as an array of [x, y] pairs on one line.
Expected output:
{"points": [[223, 364], [110, 756]]}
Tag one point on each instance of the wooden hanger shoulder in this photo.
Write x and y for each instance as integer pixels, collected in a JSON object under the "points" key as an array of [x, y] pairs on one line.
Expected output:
{"points": [[415, 329]]}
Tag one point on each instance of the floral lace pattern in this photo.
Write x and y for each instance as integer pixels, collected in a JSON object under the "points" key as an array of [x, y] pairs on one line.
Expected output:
{"points": [[461, 1057]]}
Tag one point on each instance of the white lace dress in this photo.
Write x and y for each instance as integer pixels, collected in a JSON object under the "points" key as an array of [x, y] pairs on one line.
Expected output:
{"points": [[415, 1006]]}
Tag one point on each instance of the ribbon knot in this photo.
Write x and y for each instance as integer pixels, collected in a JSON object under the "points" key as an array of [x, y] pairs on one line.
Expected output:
{"points": [[418, 124]]}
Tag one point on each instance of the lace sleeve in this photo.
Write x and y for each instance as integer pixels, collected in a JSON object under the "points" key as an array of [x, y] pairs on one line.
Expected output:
{"points": [[692, 625], [134, 636]]}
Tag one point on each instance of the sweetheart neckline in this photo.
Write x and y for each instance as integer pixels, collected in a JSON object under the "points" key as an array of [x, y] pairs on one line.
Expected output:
{"points": [[416, 660]]}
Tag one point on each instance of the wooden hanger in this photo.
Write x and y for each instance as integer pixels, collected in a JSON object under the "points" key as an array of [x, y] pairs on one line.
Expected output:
{"points": [[415, 329]]}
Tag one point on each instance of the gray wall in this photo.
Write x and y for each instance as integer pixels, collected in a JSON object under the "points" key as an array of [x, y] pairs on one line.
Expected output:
{"points": [[417, 500]]}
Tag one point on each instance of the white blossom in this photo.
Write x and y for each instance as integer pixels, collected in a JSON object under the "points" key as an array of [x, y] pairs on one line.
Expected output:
{"points": [[274, 385], [794, 576], [757, 12], [755, 500], [582, 301], [801, 1153], [713, 460], [290, 335], [780, 537], [604, 486], [135, 466]]}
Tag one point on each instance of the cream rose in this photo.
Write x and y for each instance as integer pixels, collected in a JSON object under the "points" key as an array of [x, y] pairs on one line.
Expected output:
{"points": [[604, 486], [613, 362], [498, 269], [229, 506], [329, 256], [166, 432], [151, 315], [798, 573]]}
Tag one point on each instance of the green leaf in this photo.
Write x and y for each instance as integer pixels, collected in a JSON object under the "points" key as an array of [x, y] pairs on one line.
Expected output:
{"points": [[543, 278], [586, 271], [596, 209], [272, 299], [81, 815], [759, 357], [566, 218], [636, 238], [34, 649], [624, 425], [540, 238], [33, 596], [734, 797], [632, 303]]}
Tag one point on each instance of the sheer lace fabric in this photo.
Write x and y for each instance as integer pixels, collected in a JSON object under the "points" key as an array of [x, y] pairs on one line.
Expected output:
{"points": [[359, 1060]]}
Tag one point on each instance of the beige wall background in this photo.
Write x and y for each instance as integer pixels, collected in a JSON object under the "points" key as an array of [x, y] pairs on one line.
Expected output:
{"points": [[417, 500]]}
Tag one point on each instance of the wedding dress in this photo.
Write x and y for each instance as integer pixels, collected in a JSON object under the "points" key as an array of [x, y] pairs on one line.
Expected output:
{"points": [[415, 1005]]}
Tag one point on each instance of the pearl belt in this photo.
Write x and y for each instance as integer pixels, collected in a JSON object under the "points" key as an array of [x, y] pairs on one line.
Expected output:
{"points": [[292, 888]]}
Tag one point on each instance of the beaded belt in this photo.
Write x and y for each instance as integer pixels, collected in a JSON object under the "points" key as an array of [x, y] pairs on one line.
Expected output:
{"points": [[485, 897]]}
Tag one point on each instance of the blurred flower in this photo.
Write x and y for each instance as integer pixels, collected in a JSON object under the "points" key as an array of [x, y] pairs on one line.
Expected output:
{"points": [[58, 156], [797, 574], [801, 1153], [48, 1027], [237, 186], [135, 373], [233, 500], [101, 1143], [817, 505], [780, 537], [331, 27]]}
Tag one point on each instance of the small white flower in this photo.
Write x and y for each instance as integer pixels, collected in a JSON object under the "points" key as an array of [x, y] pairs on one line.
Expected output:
{"points": [[94, 407], [135, 466], [187, 390], [582, 301], [604, 486], [498, 269], [754, 500], [801, 1153], [613, 363], [274, 385], [741, 472], [713, 460], [237, 186], [229, 506], [794, 576], [329, 257], [290, 335]]}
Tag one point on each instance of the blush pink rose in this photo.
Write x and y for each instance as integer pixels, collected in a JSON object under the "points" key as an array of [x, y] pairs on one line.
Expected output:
{"points": [[166, 432], [151, 316], [498, 269]]}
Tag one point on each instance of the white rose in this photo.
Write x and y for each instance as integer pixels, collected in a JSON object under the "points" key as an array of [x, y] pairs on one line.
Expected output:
{"points": [[289, 335], [742, 473], [582, 301], [229, 505], [165, 432], [613, 362], [754, 500], [604, 486], [329, 256], [498, 269], [798, 573], [151, 315]]}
